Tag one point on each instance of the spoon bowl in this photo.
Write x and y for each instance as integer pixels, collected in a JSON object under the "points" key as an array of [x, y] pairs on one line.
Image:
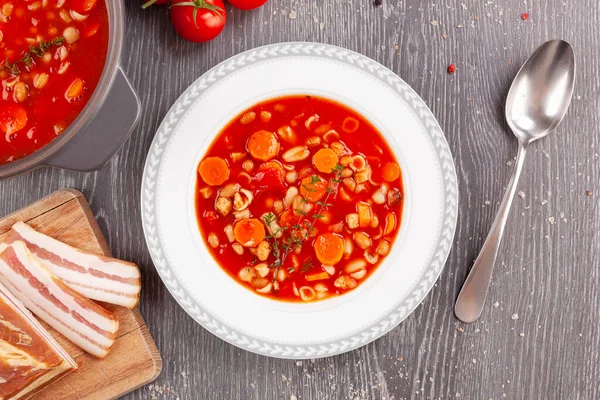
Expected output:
{"points": [[537, 102], [541, 92]]}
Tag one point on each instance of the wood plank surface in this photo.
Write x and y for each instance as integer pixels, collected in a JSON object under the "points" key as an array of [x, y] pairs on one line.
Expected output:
{"points": [[133, 360], [538, 337]]}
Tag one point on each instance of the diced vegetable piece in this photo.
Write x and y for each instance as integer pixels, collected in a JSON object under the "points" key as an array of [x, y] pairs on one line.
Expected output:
{"points": [[206, 192], [352, 220], [287, 218], [363, 176], [319, 276], [74, 90], [223, 206], [313, 188], [339, 148], [263, 145], [390, 223], [214, 171], [394, 196], [374, 221], [12, 119], [325, 160], [329, 248], [390, 171], [364, 214], [249, 232], [270, 175]]}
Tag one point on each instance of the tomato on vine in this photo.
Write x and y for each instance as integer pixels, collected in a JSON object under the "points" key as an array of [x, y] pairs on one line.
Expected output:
{"points": [[198, 20], [246, 4]]}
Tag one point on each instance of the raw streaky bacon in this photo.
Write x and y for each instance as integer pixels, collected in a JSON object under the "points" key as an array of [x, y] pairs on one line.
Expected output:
{"points": [[97, 277], [29, 357], [79, 319]]}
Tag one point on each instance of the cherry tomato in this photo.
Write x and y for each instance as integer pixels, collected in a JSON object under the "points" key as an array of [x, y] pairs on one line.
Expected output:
{"points": [[198, 20], [148, 3], [246, 4]]}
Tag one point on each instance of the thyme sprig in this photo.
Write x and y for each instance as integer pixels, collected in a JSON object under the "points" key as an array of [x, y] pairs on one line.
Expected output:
{"points": [[28, 58], [295, 235]]}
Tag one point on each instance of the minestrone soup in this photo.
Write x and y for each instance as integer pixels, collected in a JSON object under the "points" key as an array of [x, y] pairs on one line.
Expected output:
{"points": [[52, 54], [299, 198]]}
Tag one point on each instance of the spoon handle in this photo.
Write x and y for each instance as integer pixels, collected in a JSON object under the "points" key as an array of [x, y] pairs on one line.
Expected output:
{"points": [[471, 299]]}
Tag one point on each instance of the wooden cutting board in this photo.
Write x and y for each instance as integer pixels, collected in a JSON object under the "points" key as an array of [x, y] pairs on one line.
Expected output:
{"points": [[133, 360]]}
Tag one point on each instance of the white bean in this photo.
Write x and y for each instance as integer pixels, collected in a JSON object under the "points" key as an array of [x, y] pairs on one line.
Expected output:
{"points": [[213, 240], [295, 154], [355, 265]]}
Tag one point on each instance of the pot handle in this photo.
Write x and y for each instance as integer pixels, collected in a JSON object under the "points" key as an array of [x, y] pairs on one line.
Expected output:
{"points": [[104, 135]]}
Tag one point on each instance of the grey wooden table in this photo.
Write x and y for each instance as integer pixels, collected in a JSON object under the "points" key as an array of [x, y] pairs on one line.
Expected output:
{"points": [[538, 337]]}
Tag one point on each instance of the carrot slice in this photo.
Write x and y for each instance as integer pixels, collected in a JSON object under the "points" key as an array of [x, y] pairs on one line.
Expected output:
{"points": [[390, 172], [329, 248], [319, 276], [249, 232], [263, 145], [325, 160], [313, 188], [12, 119], [74, 90], [214, 171]]}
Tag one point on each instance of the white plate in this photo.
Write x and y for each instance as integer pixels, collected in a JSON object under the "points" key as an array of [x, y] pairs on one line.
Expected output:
{"points": [[293, 330]]}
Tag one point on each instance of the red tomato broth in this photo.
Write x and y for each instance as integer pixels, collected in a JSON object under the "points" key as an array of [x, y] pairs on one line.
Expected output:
{"points": [[268, 186], [48, 109]]}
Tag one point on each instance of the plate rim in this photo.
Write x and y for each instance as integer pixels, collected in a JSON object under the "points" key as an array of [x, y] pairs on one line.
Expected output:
{"points": [[417, 293]]}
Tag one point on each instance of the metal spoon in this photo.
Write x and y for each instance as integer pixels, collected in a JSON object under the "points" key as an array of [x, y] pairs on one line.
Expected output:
{"points": [[537, 101]]}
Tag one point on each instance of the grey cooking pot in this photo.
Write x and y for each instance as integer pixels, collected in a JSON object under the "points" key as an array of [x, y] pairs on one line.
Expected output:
{"points": [[103, 125]]}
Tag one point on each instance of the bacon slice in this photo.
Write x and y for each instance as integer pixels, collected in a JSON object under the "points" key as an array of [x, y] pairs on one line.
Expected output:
{"points": [[79, 319], [29, 357], [97, 277]]}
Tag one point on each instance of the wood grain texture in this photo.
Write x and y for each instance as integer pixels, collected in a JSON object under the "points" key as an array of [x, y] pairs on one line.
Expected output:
{"points": [[133, 360], [547, 274]]}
